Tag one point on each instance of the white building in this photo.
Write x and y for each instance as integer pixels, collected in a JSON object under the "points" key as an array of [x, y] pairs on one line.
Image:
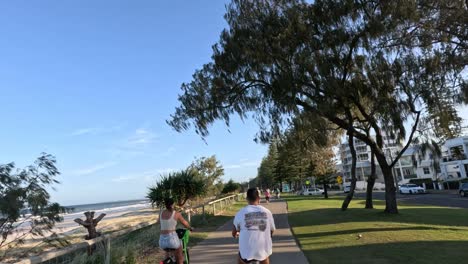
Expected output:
{"points": [[454, 163], [416, 164], [363, 164], [405, 169]]}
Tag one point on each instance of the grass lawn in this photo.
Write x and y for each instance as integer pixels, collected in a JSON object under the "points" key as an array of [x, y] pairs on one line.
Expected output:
{"points": [[418, 234]]}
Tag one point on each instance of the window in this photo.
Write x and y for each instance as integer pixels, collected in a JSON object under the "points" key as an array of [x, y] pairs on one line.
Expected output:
{"points": [[363, 157], [361, 149], [426, 170]]}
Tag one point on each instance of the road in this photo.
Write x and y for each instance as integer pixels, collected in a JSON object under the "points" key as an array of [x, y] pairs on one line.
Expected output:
{"points": [[450, 199]]}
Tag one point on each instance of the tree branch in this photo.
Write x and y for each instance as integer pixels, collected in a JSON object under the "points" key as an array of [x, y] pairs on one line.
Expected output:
{"points": [[418, 114]]}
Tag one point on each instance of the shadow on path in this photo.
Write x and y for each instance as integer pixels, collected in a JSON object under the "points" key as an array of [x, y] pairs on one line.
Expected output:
{"points": [[220, 247]]}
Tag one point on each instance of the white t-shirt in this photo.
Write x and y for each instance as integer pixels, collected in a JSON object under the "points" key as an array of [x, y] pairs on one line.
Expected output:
{"points": [[254, 223]]}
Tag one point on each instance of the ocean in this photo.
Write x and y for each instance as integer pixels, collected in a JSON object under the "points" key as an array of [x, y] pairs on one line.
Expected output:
{"points": [[111, 209], [108, 206]]}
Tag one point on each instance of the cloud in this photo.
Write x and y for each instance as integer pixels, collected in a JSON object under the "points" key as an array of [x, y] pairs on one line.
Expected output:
{"points": [[242, 165], [95, 130], [135, 144], [148, 176], [94, 168], [141, 137], [85, 131]]}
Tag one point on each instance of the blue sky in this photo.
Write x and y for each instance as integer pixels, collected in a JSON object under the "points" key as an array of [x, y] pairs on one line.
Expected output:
{"points": [[92, 82]]}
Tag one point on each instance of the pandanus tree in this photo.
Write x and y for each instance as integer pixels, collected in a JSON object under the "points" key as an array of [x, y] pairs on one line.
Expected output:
{"points": [[181, 186], [384, 64]]}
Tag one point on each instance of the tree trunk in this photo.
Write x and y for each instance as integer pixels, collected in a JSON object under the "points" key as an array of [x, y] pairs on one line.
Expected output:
{"points": [[390, 189], [90, 224], [370, 183], [325, 190], [350, 195]]}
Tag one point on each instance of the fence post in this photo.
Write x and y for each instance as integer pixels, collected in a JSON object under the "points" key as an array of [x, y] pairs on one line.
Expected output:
{"points": [[108, 251]]}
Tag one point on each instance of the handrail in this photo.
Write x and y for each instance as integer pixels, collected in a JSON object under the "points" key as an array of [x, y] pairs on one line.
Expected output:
{"points": [[225, 198], [82, 245], [60, 252]]}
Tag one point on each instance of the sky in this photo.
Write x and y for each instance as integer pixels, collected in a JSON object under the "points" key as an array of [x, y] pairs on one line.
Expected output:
{"points": [[93, 82]]}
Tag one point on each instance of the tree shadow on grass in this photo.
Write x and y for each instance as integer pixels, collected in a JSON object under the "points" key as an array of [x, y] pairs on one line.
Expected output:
{"points": [[377, 229], [410, 215], [446, 252], [313, 197]]}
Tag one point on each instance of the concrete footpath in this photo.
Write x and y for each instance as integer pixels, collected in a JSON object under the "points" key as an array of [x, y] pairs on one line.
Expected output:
{"points": [[220, 247]]}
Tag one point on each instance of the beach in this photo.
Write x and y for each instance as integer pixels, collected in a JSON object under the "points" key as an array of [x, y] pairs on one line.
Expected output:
{"points": [[122, 215]]}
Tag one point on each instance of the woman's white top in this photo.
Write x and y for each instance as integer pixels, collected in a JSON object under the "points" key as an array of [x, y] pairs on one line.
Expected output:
{"points": [[168, 224]]}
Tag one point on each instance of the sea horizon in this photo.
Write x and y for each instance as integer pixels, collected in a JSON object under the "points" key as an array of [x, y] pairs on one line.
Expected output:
{"points": [[104, 205]]}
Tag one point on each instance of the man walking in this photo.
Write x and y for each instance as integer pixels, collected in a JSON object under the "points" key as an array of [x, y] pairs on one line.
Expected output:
{"points": [[254, 225]]}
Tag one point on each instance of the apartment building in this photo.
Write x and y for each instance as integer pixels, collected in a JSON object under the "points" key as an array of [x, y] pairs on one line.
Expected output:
{"points": [[416, 164], [413, 164], [363, 153], [454, 162]]}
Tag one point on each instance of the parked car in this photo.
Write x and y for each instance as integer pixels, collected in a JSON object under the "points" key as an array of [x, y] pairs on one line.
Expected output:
{"points": [[463, 191], [411, 189], [347, 189], [312, 191]]}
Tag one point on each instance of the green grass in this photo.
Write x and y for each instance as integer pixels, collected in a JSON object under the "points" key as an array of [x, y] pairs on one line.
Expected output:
{"points": [[418, 234]]}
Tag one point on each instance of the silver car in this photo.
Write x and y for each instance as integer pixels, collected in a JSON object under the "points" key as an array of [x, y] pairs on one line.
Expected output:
{"points": [[411, 189]]}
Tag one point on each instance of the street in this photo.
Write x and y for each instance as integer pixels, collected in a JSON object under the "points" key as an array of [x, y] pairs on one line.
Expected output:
{"points": [[436, 198]]}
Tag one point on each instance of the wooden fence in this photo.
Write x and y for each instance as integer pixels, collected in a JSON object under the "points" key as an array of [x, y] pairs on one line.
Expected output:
{"points": [[66, 255]]}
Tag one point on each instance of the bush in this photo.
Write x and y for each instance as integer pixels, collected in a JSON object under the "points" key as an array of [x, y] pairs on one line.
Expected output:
{"points": [[231, 187]]}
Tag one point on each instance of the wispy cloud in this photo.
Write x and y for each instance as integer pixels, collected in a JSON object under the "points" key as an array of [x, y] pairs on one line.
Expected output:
{"points": [[148, 176], [135, 144], [94, 168], [141, 137], [95, 130], [85, 131], [242, 165]]}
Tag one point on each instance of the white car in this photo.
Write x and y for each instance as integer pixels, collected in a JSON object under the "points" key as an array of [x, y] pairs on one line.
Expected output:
{"points": [[312, 191], [347, 189], [411, 189]]}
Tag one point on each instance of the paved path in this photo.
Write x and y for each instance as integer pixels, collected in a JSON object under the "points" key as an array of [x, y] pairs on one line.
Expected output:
{"points": [[220, 247]]}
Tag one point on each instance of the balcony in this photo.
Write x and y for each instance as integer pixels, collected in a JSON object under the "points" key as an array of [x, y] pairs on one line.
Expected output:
{"points": [[454, 157], [411, 176]]}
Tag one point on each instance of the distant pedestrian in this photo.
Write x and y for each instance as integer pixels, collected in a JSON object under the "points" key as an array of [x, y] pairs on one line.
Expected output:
{"points": [[277, 192], [254, 225], [267, 195]]}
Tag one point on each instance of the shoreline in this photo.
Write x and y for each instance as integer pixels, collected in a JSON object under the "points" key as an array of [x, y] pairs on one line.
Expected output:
{"points": [[116, 219]]}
